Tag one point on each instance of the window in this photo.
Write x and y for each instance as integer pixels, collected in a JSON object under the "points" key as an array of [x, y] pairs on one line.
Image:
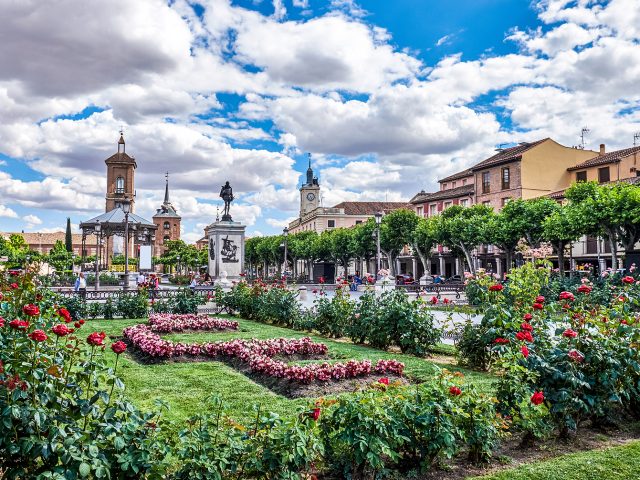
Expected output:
{"points": [[487, 203], [419, 211], [506, 179], [486, 181], [447, 204], [581, 176], [331, 223], [603, 174], [166, 225], [444, 186], [358, 222], [505, 200], [433, 210], [464, 181], [464, 202], [119, 185], [166, 238], [453, 185]]}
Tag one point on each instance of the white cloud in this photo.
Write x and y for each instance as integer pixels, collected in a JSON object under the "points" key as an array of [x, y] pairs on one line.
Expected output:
{"points": [[280, 223], [32, 220], [7, 212]]}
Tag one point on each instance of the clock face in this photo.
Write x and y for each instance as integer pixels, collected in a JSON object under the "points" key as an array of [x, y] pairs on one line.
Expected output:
{"points": [[310, 197]]}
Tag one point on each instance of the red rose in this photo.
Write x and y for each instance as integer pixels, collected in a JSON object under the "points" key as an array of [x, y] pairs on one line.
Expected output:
{"points": [[38, 336], [527, 317], [315, 414], [384, 380], [628, 279], [455, 391], [64, 313], [498, 287], [537, 398], [501, 341], [586, 289], [537, 306], [1, 322], [576, 356], [524, 335], [96, 339], [570, 333], [525, 351], [14, 286], [120, 347], [60, 330], [434, 300], [38, 297], [31, 310], [19, 324], [567, 296], [526, 326], [446, 301], [539, 299], [81, 322], [77, 324]]}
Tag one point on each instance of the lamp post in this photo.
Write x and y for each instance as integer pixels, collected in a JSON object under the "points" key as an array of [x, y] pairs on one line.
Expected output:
{"points": [[178, 266], [285, 234], [96, 230], [378, 217], [126, 208]]}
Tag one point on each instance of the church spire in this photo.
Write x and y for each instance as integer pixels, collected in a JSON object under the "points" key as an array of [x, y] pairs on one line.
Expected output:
{"points": [[166, 189], [121, 142], [309, 172]]}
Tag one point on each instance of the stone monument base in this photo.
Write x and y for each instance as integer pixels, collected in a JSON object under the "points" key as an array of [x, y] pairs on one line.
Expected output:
{"points": [[226, 251]]}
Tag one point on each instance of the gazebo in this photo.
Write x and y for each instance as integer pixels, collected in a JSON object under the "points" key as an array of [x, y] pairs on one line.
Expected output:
{"points": [[119, 222]]}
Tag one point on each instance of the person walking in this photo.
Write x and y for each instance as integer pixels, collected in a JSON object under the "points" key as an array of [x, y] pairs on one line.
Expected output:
{"points": [[81, 286], [153, 285]]}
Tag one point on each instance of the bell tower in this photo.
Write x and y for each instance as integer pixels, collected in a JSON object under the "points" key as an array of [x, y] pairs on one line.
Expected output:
{"points": [[309, 192], [120, 178]]}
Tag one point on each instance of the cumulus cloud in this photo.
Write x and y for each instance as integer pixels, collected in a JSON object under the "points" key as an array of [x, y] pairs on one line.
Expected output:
{"points": [[7, 212]]}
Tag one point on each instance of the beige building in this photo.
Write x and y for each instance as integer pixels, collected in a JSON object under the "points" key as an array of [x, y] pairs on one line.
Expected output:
{"points": [[313, 217]]}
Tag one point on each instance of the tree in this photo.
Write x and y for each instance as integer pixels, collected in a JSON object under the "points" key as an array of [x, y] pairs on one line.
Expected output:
{"points": [[68, 239], [300, 247], [342, 246], [464, 228], [506, 228], [560, 229], [364, 242], [533, 216], [424, 238], [396, 232], [612, 211], [59, 258]]}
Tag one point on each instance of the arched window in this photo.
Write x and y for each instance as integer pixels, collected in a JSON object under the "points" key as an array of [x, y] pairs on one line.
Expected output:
{"points": [[166, 238], [167, 225], [119, 185]]}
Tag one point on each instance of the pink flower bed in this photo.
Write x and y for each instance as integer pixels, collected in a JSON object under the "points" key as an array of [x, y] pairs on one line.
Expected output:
{"points": [[166, 323], [258, 355]]}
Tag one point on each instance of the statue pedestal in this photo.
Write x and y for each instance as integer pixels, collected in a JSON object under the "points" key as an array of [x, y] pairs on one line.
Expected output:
{"points": [[226, 251]]}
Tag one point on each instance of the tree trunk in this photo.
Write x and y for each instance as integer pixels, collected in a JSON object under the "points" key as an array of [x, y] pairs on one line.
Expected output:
{"points": [[560, 249], [467, 254], [391, 259], [614, 250], [421, 256], [509, 253]]}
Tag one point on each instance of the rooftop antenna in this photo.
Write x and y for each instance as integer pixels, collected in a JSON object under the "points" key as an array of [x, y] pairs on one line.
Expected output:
{"points": [[636, 137], [583, 132]]}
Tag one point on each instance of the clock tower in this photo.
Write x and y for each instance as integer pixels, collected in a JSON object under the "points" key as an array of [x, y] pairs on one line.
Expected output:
{"points": [[309, 192]]}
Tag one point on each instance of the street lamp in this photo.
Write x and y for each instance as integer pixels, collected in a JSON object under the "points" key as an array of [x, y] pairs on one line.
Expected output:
{"points": [[378, 217], [178, 261], [126, 208], [285, 234], [97, 230]]}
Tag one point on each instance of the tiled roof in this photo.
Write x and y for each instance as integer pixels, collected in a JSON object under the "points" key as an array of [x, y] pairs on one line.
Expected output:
{"points": [[116, 216], [35, 238], [507, 155], [121, 157], [463, 191], [610, 157], [370, 208], [559, 195], [463, 174]]}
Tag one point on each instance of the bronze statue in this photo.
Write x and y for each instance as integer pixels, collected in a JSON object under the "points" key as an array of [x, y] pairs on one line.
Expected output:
{"points": [[226, 193]]}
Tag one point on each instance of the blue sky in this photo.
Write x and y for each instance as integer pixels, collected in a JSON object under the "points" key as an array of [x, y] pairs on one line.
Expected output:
{"points": [[386, 96]]}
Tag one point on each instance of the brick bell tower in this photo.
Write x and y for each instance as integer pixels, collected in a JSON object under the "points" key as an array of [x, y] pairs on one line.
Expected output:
{"points": [[120, 178]]}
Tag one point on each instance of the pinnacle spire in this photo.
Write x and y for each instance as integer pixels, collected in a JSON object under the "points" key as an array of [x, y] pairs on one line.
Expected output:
{"points": [[166, 189], [121, 141]]}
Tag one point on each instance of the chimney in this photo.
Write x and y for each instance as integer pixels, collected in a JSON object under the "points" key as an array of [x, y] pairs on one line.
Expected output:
{"points": [[602, 149]]}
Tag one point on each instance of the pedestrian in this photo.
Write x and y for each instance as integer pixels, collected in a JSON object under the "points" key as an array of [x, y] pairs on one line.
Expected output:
{"points": [[153, 285], [81, 286], [355, 281], [140, 280], [193, 284]]}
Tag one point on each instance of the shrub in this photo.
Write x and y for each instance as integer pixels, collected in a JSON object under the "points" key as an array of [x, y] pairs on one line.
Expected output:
{"points": [[186, 302], [333, 315], [63, 411], [132, 305]]}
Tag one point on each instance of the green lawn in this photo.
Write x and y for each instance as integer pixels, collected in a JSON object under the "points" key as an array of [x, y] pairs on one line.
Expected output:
{"points": [[617, 463], [185, 386]]}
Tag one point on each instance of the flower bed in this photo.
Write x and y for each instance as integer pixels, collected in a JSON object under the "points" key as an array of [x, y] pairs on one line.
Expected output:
{"points": [[258, 356], [167, 323]]}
